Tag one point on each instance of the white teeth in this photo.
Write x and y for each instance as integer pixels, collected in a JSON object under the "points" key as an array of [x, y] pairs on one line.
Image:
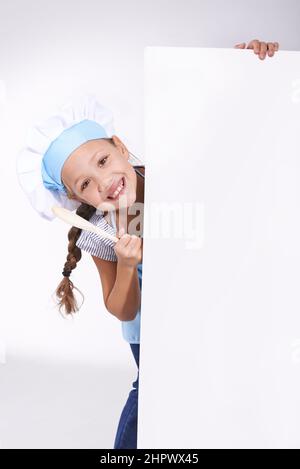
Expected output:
{"points": [[118, 190]]}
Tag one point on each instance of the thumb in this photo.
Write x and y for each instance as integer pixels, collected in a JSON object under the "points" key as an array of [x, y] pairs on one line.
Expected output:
{"points": [[240, 46], [121, 232]]}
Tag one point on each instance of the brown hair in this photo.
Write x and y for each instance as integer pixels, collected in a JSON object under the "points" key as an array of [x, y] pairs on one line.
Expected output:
{"points": [[64, 291]]}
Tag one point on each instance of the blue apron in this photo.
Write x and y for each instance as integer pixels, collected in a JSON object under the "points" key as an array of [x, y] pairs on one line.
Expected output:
{"points": [[131, 329]]}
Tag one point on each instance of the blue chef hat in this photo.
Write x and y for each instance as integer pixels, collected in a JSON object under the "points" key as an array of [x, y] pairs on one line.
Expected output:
{"points": [[59, 150], [50, 143]]}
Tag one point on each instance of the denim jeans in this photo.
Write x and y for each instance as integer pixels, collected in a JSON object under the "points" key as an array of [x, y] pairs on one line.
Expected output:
{"points": [[126, 437]]}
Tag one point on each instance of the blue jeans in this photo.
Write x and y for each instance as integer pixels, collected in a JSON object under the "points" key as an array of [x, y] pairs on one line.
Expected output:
{"points": [[126, 437]]}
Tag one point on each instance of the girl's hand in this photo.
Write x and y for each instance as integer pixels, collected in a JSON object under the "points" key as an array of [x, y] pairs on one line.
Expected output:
{"points": [[261, 48], [129, 249]]}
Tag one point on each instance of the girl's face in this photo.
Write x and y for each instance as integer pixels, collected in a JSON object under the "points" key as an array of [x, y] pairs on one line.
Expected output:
{"points": [[95, 169]]}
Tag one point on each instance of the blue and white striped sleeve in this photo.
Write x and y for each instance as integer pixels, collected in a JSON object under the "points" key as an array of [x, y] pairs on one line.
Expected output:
{"points": [[95, 244]]}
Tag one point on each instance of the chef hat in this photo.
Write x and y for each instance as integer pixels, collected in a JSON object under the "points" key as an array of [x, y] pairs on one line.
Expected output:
{"points": [[48, 146]]}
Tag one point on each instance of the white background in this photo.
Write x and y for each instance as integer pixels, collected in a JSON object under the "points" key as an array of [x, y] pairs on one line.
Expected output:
{"points": [[64, 383]]}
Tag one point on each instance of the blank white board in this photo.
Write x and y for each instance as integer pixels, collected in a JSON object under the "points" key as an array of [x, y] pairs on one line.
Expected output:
{"points": [[220, 328]]}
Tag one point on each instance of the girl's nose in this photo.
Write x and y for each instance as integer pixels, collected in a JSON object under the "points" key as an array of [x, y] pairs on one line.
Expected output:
{"points": [[103, 187]]}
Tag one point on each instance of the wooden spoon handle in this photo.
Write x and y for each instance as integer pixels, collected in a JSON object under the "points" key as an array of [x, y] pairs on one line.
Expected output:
{"points": [[75, 220]]}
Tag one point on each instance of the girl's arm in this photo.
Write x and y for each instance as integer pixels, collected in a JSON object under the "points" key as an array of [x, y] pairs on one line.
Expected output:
{"points": [[120, 281], [124, 300]]}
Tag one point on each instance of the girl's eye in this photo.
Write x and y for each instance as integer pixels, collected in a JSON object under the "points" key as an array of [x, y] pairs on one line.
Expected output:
{"points": [[102, 159], [86, 183]]}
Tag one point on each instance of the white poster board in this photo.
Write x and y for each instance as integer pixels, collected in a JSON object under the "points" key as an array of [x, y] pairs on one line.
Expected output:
{"points": [[220, 330]]}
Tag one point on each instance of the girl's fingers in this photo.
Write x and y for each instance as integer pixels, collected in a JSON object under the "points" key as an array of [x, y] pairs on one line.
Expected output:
{"points": [[135, 241], [260, 47], [134, 246], [125, 240], [263, 50], [128, 240], [240, 46], [255, 44], [271, 49]]}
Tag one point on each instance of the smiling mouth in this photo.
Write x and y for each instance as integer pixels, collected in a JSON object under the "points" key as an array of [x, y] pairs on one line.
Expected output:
{"points": [[119, 191]]}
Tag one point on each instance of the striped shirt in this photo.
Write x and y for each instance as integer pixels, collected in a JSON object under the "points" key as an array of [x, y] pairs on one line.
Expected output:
{"points": [[104, 249], [95, 244]]}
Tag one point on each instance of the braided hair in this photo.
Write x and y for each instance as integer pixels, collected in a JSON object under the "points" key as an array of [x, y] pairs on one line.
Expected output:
{"points": [[64, 291]]}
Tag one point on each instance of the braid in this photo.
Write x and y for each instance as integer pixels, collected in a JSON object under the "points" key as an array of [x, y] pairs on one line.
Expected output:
{"points": [[64, 291]]}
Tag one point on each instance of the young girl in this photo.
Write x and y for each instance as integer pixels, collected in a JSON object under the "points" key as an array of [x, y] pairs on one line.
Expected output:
{"points": [[75, 160]]}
